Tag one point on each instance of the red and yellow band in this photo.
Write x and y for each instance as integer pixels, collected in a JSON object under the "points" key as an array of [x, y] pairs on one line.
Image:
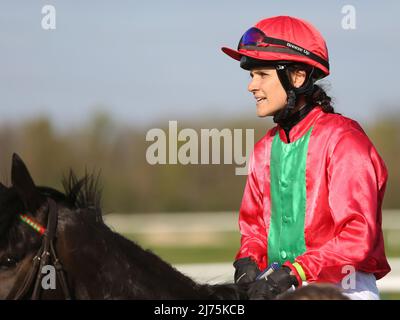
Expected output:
{"points": [[298, 271]]}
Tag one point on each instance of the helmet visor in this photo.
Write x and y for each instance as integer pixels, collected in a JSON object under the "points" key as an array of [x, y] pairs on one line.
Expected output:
{"points": [[252, 37], [256, 39]]}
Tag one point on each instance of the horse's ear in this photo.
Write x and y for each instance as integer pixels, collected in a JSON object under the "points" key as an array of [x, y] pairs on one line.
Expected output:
{"points": [[24, 185]]}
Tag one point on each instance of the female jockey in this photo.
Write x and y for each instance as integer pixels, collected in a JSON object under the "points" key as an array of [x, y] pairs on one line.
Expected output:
{"points": [[314, 191]]}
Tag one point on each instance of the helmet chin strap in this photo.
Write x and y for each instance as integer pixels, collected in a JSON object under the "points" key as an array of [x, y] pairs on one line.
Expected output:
{"points": [[291, 92]]}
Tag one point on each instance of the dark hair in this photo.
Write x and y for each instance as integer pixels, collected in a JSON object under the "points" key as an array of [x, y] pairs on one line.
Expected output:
{"points": [[319, 97]]}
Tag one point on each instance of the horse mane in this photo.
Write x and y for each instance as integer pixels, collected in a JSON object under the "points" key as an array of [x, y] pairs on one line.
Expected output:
{"points": [[83, 193]]}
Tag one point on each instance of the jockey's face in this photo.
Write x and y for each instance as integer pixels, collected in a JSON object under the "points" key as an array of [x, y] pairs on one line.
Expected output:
{"points": [[268, 91]]}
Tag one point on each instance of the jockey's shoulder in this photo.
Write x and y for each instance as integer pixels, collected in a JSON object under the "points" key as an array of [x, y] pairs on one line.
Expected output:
{"points": [[333, 125], [340, 127]]}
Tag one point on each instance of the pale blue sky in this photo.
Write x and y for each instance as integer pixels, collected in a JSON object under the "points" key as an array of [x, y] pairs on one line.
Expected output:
{"points": [[145, 61]]}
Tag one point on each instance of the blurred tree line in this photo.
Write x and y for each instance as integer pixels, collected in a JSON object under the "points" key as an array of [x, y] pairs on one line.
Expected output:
{"points": [[130, 184]]}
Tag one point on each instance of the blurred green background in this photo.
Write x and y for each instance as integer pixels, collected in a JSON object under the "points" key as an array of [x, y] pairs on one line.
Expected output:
{"points": [[131, 185], [201, 193]]}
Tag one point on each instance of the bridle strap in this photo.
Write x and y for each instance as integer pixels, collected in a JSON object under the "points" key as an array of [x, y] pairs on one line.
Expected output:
{"points": [[60, 273], [45, 254], [51, 227], [27, 283]]}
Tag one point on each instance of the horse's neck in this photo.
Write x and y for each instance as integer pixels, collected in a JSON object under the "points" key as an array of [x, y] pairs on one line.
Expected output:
{"points": [[111, 266]]}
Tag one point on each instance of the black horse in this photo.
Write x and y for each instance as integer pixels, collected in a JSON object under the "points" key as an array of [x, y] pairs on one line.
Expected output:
{"points": [[96, 263]]}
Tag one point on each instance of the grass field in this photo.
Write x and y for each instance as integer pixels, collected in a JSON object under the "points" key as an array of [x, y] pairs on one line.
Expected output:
{"points": [[209, 247], [390, 296], [185, 248]]}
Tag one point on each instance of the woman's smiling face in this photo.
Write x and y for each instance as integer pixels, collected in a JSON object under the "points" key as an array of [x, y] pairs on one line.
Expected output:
{"points": [[268, 91]]}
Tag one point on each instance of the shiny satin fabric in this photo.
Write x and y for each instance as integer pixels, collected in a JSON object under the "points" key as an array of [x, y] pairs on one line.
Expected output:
{"points": [[345, 185], [288, 198]]}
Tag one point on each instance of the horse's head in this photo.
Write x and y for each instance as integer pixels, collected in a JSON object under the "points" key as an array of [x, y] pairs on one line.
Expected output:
{"points": [[33, 224], [46, 234]]}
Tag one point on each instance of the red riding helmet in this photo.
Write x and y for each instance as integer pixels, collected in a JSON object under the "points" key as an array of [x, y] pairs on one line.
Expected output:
{"points": [[286, 39]]}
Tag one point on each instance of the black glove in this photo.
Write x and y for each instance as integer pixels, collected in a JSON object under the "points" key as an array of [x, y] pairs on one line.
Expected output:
{"points": [[276, 283], [246, 271]]}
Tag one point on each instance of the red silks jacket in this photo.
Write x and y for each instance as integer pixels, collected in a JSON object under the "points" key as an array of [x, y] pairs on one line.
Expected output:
{"points": [[345, 180]]}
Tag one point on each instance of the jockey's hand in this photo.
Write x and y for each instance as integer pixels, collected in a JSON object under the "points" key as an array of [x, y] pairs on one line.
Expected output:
{"points": [[276, 283], [246, 271]]}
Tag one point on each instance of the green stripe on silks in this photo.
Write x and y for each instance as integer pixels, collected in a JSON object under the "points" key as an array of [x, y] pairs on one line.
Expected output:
{"points": [[288, 199]]}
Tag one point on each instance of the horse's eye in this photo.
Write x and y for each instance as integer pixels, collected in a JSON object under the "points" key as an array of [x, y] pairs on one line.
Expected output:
{"points": [[7, 263]]}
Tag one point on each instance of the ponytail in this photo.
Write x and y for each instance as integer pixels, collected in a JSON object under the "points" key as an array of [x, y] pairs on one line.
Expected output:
{"points": [[320, 98]]}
